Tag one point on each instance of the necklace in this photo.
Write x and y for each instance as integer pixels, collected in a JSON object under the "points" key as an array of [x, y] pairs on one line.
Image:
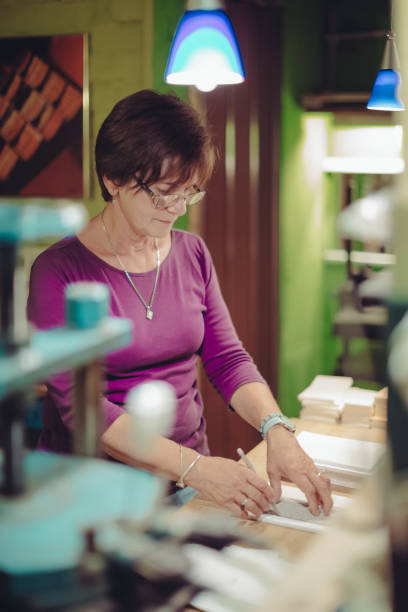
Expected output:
{"points": [[149, 311]]}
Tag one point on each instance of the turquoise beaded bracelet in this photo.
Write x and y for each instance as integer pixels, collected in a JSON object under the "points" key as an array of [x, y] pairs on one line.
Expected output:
{"points": [[276, 419], [269, 421], [270, 424]]}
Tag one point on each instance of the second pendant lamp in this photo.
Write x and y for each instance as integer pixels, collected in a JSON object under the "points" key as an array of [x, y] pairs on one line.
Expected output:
{"points": [[385, 92]]}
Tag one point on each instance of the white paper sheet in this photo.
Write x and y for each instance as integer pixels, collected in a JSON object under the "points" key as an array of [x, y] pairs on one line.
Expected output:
{"points": [[293, 511]]}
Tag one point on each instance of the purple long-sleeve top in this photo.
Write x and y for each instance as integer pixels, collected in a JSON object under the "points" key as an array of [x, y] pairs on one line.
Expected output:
{"points": [[190, 320]]}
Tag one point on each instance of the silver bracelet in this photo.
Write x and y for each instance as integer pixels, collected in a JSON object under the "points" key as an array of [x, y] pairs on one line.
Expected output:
{"points": [[181, 458], [180, 483]]}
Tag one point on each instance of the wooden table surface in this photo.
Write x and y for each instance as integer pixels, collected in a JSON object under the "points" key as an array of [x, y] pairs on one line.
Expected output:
{"points": [[287, 541]]}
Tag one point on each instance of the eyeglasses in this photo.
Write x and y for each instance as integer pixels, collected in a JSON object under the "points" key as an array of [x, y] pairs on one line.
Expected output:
{"points": [[193, 196]]}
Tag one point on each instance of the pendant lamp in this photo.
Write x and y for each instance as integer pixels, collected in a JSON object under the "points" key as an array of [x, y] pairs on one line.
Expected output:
{"points": [[385, 93], [204, 51]]}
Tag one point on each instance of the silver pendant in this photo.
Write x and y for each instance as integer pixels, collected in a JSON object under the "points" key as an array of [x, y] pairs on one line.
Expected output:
{"points": [[149, 313]]}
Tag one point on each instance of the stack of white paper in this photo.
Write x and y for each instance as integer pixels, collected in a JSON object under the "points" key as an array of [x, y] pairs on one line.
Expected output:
{"points": [[379, 418], [346, 462], [322, 400], [358, 408]]}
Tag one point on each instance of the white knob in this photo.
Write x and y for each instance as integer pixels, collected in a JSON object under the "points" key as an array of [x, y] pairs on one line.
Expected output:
{"points": [[152, 406]]}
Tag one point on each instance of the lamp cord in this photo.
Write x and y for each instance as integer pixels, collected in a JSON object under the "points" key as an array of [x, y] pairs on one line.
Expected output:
{"points": [[390, 15]]}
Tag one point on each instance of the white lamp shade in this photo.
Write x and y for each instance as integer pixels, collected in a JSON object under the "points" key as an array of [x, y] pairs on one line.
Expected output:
{"points": [[204, 51]]}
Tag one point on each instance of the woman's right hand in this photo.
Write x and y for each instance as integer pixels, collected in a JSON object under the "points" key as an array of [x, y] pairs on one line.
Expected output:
{"points": [[232, 486]]}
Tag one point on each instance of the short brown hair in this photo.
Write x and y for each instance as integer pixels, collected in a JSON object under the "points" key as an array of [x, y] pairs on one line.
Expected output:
{"points": [[145, 129]]}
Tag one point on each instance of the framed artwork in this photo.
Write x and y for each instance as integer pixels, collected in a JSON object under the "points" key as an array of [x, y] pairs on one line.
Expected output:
{"points": [[44, 116]]}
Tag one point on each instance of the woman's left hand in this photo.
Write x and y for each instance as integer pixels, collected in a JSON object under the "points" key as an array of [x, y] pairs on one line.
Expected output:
{"points": [[286, 459]]}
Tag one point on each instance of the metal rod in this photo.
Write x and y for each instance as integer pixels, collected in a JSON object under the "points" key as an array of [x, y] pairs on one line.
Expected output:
{"points": [[12, 426], [8, 260], [87, 409], [14, 329]]}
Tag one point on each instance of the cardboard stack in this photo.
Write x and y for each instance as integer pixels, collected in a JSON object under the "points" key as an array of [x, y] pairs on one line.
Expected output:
{"points": [[379, 418], [358, 408], [322, 400], [346, 462]]}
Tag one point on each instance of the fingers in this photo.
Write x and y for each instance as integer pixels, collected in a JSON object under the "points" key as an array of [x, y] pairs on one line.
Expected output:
{"points": [[241, 513], [248, 509], [322, 485], [253, 497], [228, 483], [259, 489], [276, 487], [287, 459], [254, 501], [312, 496], [316, 487]]}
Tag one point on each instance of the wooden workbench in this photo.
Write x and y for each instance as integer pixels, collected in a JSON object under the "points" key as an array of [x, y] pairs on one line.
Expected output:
{"points": [[289, 542]]}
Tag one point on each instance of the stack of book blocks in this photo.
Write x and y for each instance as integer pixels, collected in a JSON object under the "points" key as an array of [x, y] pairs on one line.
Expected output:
{"points": [[358, 407], [322, 400], [379, 418], [333, 399]]}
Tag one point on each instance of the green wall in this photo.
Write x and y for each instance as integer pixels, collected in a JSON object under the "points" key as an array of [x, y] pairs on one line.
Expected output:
{"points": [[310, 199], [166, 15], [165, 18], [307, 211]]}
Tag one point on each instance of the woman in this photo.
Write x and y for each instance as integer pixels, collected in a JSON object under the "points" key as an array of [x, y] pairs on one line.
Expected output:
{"points": [[152, 158]]}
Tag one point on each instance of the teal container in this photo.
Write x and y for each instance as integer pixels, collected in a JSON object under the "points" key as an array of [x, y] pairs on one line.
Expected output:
{"points": [[86, 304]]}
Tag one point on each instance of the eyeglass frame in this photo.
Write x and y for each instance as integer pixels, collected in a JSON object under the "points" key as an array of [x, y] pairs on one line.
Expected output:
{"points": [[156, 197]]}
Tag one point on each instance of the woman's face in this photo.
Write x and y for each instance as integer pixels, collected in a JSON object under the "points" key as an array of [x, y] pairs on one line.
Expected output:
{"points": [[136, 206]]}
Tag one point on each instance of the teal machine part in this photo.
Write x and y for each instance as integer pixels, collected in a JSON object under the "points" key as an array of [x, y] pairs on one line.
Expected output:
{"points": [[44, 528], [22, 222], [47, 501]]}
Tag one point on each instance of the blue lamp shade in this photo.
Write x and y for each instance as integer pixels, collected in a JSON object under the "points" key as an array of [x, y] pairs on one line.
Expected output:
{"points": [[204, 51], [384, 95]]}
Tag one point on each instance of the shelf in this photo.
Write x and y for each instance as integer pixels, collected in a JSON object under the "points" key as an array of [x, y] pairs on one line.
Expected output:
{"points": [[332, 101], [344, 102], [59, 349], [368, 323], [363, 258]]}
